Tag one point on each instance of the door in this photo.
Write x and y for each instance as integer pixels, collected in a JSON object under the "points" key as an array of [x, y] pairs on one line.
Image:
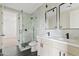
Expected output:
{"points": [[1, 30], [9, 40], [25, 31]]}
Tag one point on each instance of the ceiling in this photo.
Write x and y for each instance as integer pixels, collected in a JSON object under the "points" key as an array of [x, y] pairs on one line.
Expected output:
{"points": [[26, 7]]}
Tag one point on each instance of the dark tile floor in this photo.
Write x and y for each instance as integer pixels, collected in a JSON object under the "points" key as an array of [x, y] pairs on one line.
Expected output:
{"points": [[27, 53], [16, 52]]}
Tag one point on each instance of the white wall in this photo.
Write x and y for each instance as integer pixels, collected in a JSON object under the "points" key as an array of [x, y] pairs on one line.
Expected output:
{"points": [[9, 23], [40, 15], [1, 17], [40, 21], [0, 27], [70, 19], [74, 18]]}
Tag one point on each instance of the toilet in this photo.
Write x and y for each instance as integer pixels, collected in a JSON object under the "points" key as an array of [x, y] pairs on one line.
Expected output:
{"points": [[33, 44]]}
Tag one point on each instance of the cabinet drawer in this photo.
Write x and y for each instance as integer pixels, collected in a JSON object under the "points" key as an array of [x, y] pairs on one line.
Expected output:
{"points": [[54, 44], [60, 46], [73, 50]]}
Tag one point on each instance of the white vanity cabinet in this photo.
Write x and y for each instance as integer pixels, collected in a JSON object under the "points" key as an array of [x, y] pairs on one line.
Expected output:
{"points": [[49, 47], [61, 47], [42, 48]]}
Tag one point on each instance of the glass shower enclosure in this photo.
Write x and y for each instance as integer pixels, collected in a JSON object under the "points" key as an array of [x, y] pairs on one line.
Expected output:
{"points": [[25, 32]]}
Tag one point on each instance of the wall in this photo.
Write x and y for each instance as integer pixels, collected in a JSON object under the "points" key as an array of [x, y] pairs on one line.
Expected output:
{"points": [[74, 18], [1, 19], [69, 19], [40, 21], [0, 26], [40, 15]]}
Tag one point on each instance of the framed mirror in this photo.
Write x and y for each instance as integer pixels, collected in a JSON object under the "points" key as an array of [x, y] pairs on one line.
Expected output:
{"points": [[51, 18], [69, 16]]}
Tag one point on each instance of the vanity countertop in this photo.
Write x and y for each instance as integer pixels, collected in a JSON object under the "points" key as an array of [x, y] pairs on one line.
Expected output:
{"points": [[62, 40]]}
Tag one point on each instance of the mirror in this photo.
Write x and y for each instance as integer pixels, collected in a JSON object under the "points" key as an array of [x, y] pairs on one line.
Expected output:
{"points": [[51, 18], [69, 15]]}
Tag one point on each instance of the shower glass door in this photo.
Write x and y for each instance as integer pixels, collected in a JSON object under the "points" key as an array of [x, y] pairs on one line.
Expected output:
{"points": [[25, 30]]}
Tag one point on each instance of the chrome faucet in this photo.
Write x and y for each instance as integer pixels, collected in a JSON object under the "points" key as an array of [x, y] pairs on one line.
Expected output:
{"points": [[67, 35]]}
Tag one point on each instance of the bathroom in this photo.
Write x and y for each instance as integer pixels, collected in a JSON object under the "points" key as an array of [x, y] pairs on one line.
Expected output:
{"points": [[42, 29]]}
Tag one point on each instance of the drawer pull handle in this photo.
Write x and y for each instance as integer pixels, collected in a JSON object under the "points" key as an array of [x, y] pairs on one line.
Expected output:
{"points": [[60, 53], [63, 54]]}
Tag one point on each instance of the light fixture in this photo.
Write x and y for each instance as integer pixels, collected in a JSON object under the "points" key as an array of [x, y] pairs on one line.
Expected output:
{"points": [[53, 10], [46, 6], [70, 5]]}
